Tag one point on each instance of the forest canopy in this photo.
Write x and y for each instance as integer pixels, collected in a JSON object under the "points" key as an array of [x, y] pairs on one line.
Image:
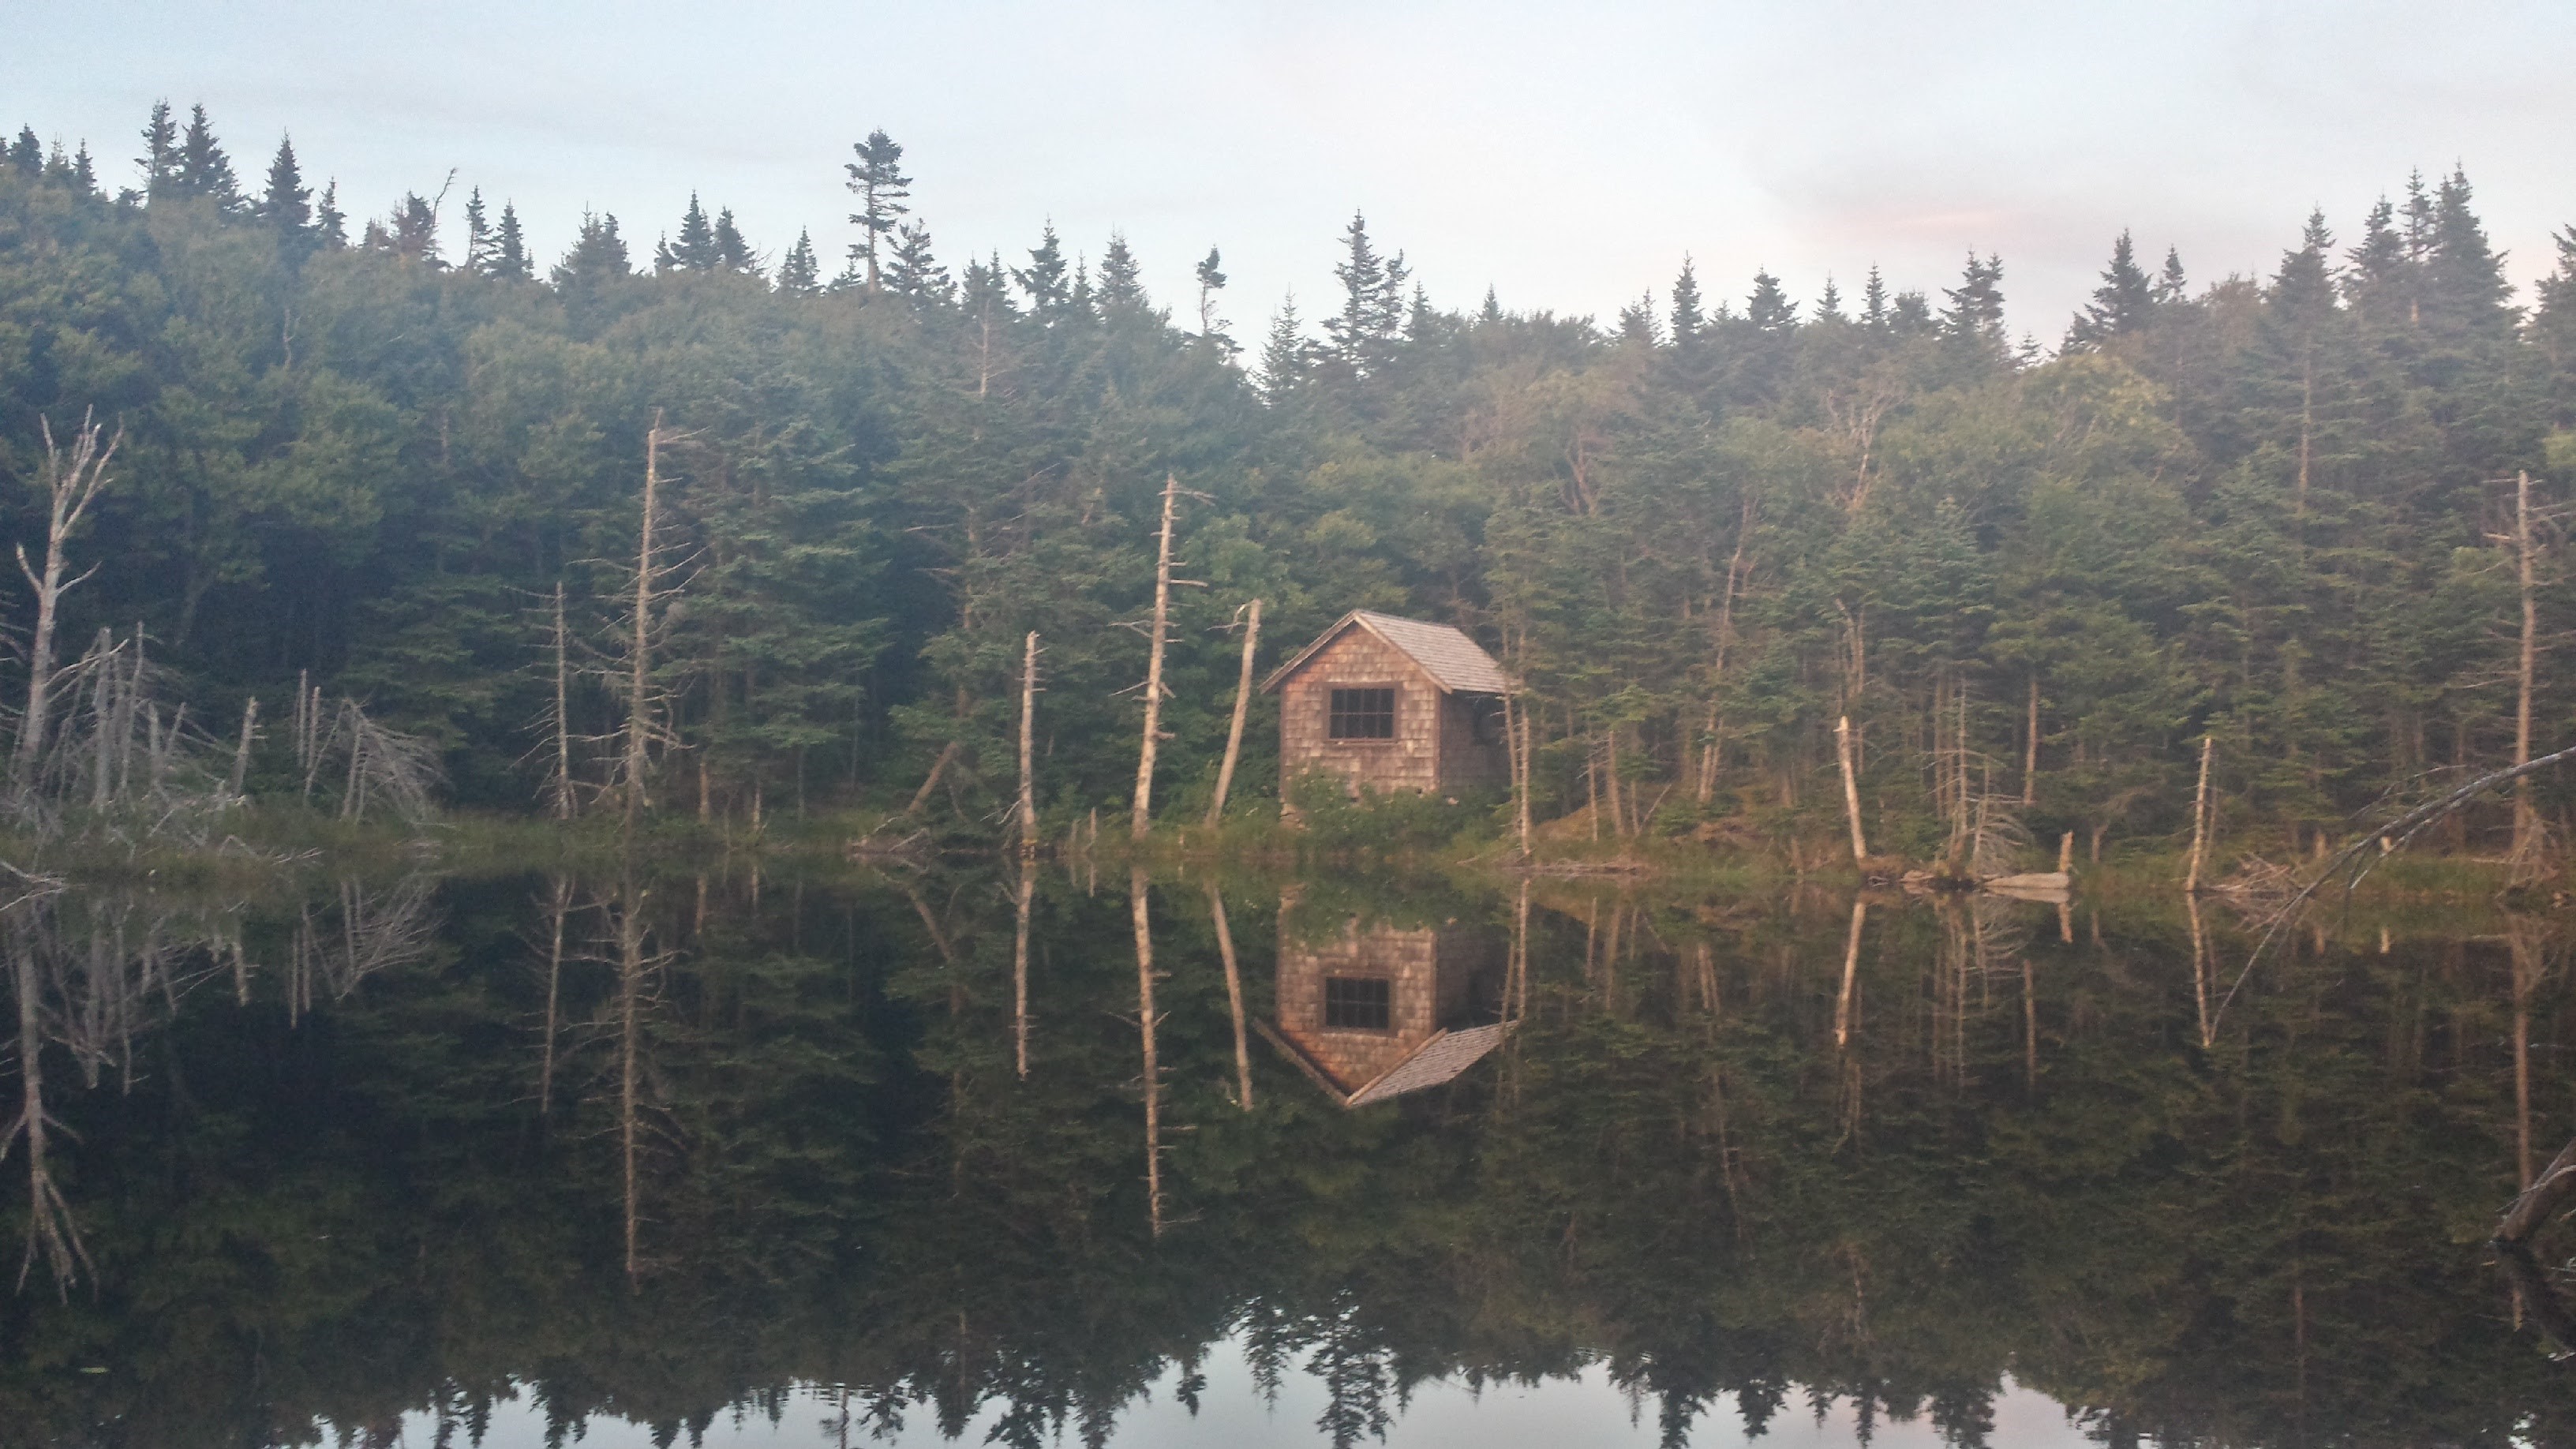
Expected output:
{"points": [[2279, 512]]}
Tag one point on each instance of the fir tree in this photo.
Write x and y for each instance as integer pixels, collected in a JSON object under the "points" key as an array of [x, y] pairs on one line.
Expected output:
{"points": [[160, 158], [877, 179], [598, 255], [2172, 286], [2305, 285], [1769, 307], [509, 260], [1211, 279], [330, 224], [1910, 315], [2119, 306], [1637, 322], [799, 275], [986, 290], [1689, 321], [1286, 356], [204, 169], [1120, 287], [1372, 314], [2420, 215], [1492, 310], [27, 154], [912, 270], [2464, 276], [696, 249], [733, 252], [2380, 257], [478, 234], [286, 203], [1974, 320], [1044, 279], [411, 232], [1829, 303], [84, 171], [1873, 301]]}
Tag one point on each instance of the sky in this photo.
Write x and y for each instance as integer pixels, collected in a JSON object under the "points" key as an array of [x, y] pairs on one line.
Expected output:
{"points": [[1566, 156]]}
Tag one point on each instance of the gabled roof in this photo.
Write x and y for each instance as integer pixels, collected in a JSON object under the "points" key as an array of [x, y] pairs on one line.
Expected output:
{"points": [[1444, 1058], [1455, 662]]}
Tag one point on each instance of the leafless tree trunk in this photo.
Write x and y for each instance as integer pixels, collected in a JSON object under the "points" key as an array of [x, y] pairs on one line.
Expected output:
{"points": [[1851, 787], [1233, 998], [560, 787], [1242, 708], [240, 776], [1020, 959], [72, 480], [2527, 833], [639, 663], [2199, 820], [1028, 811], [1143, 811], [2030, 749]]}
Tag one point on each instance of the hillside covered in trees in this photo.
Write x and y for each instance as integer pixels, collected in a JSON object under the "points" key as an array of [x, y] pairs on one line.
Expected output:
{"points": [[2280, 512]]}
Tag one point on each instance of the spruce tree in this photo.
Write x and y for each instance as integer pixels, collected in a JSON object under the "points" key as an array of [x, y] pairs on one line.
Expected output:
{"points": [[1044, 279], [2119, 306], [696, 249], [478, 234], [598, 255], [1492, 309], [160, 158], [1286, 356], [2305, 285], [1120, 287], [412, 231], [1372, 314], [27, 154], [330, 225], [84, 171], [2464, 277], [733, 252], [1769, 307], [286, 203], [509, 261], [2171, 285], [204, 169], [986, 290], [877, 179], [1829, 303], [799, 275], [1637, 322], [1689, 320], [912, 270], [1873, 301], [1974, 320], [1211, 281]]}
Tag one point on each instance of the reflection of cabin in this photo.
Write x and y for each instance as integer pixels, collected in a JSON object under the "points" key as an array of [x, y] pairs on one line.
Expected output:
{"points": [[1379, 1011], [1393, 704]]}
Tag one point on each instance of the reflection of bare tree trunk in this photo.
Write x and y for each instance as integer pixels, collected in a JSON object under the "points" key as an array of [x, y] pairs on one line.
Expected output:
{"points": [[1233, 998], [2030, 1021], [1851, 975], [630, 989], [2199, 964], [1020, 959], [1136, 896], [1517, 991], [50, 1230], [556, 912], [2526, 975]]}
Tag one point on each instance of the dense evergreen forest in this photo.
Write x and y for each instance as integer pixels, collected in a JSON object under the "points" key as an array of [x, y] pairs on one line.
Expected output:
{"points": [[2279, 512]]}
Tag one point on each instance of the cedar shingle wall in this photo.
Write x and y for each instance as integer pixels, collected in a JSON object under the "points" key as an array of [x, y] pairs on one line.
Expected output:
{"points": [[1410, 761], [1407, 960], [1463, 761]]}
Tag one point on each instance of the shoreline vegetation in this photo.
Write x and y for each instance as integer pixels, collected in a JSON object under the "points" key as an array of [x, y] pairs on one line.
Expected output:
{"points": [[715, 552]]}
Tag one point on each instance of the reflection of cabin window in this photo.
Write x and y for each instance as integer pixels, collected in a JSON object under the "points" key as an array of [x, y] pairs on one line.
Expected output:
{"points": [[1363, 714], [1360, 1003]]}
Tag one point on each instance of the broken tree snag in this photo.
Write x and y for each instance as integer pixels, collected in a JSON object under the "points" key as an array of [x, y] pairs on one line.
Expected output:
{"points": [[1233, 999], [71, 483], [938, 767], [561, 785], [2526, 816], [1143, 813], [1028, 811], [1242, 707], [1851, 787], [2199, 819], [1851, 975]]}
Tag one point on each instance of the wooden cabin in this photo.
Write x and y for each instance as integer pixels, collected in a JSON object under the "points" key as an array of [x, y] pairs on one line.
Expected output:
{"points": [[1392, 704], [1381, 1011]]}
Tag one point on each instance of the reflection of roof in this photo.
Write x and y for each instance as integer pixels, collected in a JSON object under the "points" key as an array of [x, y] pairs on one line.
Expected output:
{"points": [[1455, 662], [1443, 1058]]}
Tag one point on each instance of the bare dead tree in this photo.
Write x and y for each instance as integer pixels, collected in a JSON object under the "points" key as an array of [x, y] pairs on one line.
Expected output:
{"points": [[1142, 810], [71, 479], [1242, 708]]}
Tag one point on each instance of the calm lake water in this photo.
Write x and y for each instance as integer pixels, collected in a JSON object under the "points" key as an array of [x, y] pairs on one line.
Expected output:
{"points": [[827, 1159]]}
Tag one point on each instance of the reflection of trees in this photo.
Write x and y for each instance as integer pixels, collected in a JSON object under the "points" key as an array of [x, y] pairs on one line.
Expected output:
{"points": [[849, 1183]]}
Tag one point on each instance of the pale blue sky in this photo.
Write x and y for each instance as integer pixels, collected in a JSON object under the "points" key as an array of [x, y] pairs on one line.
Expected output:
{"points": [[1567, 155]]}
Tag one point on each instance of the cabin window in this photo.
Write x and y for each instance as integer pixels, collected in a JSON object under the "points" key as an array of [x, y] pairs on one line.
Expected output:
{"points": [[1359, 1003], [1362, 714]]}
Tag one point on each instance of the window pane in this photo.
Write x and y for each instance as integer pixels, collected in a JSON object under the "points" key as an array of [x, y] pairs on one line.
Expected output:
{"points": [[1362, 714], [1360, 1003]]}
